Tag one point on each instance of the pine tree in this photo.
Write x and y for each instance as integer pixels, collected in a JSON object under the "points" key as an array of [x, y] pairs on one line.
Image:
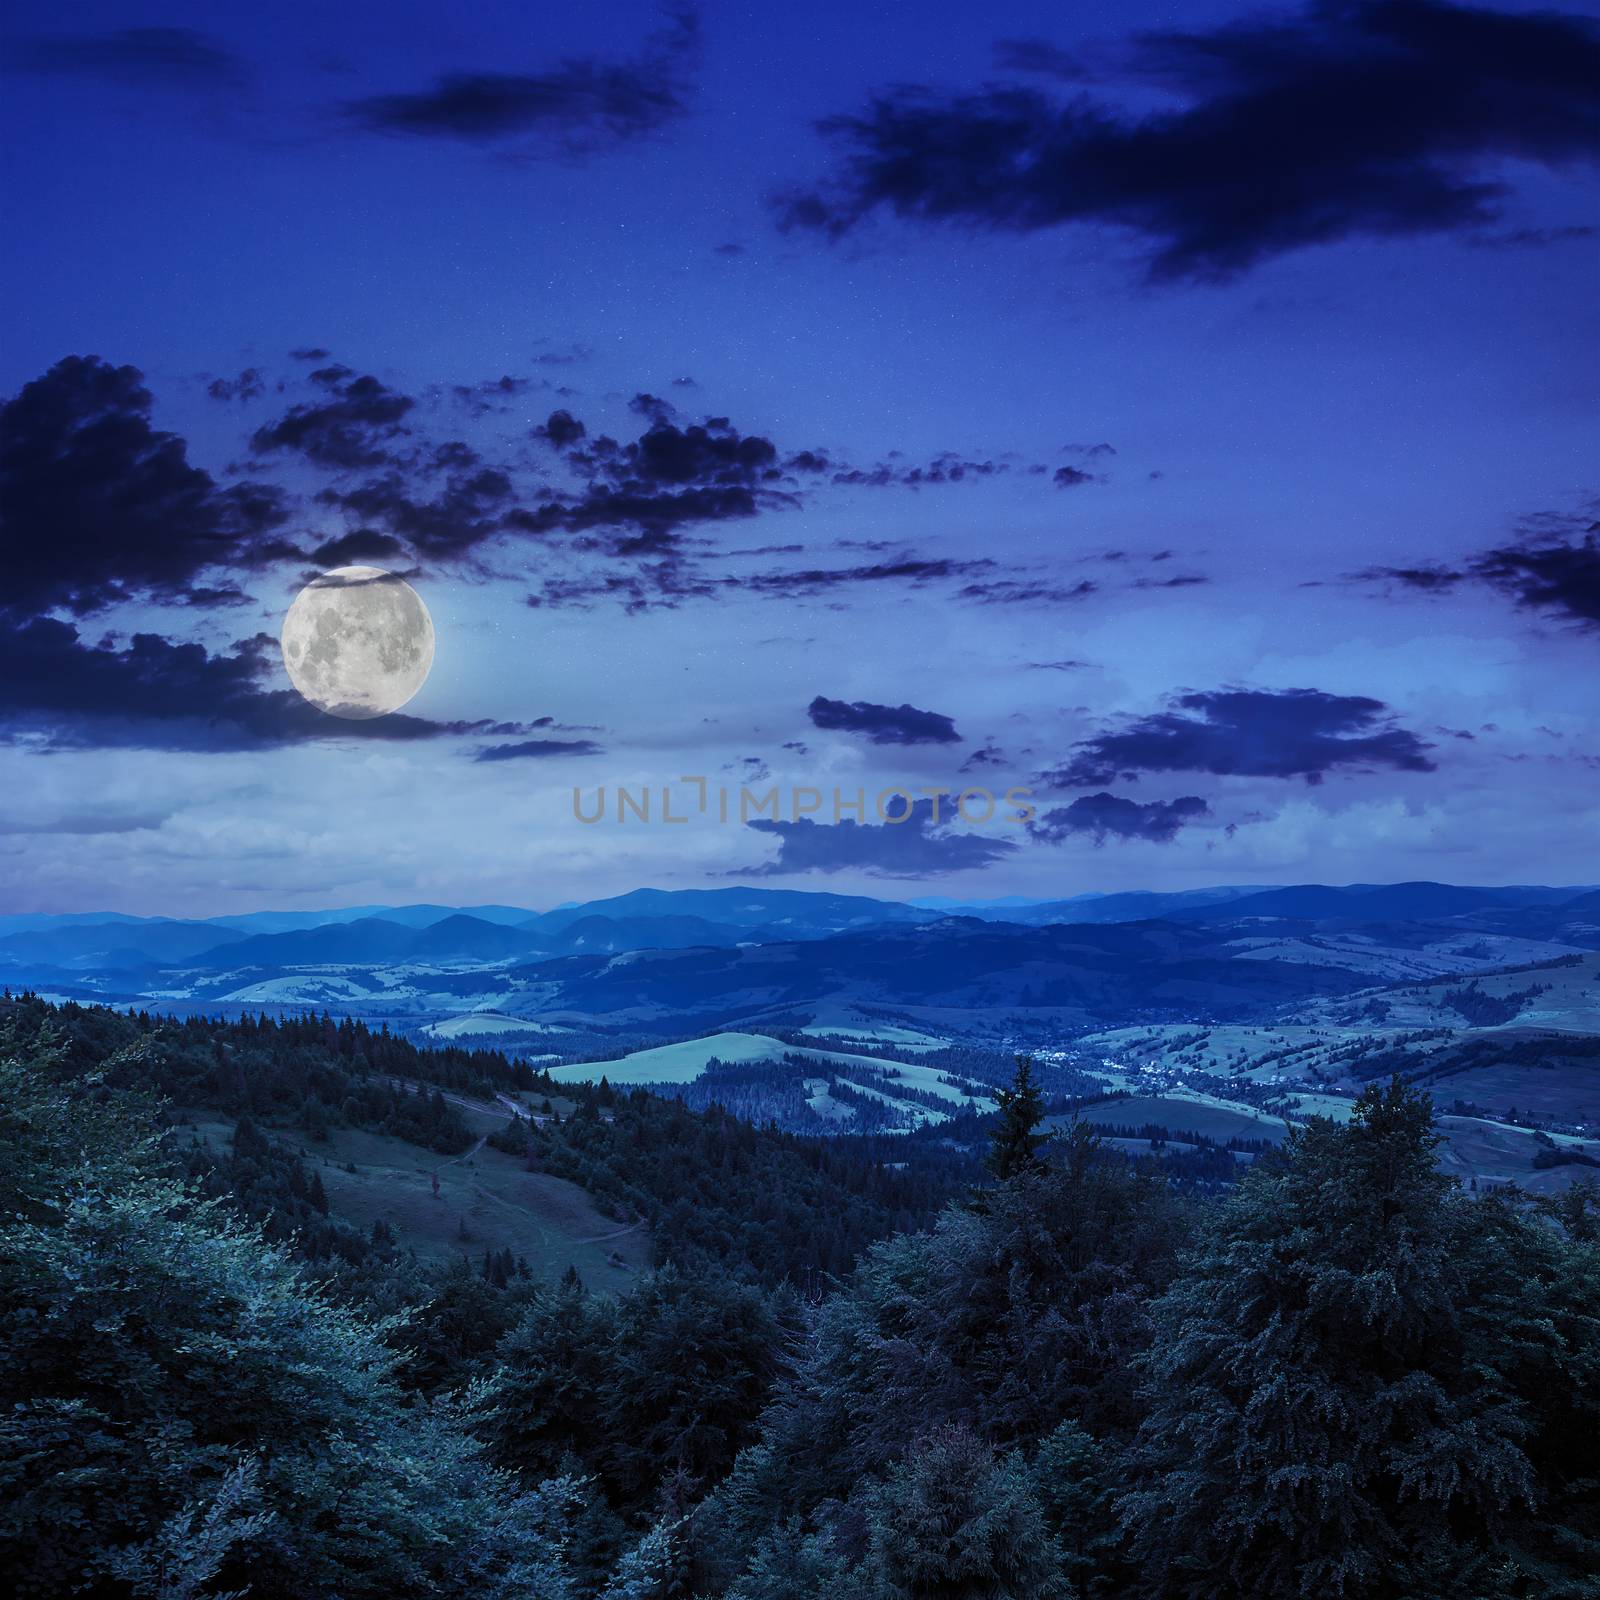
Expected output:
{"points": [[953, 1523], [1326, 1415], [1014, 1148], [1070, 1481], [790, 1564]]}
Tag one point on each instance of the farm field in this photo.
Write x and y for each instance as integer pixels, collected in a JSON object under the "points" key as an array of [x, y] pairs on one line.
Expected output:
{"points": [[1264, 1052], [1473, 1148], [844, 1022], [476, 1026], [1568, 999], [687, 1060], [1493, 1153], [1183, 1114], [1458, 954], [1566, 1090]]}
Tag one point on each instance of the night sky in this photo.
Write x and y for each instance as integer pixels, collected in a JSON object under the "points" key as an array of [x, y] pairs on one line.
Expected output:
{"points": [[1188, 414]]}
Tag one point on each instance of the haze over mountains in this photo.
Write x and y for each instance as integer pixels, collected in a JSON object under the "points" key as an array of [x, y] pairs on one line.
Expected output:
{"points": [[719, 918], [669, 962]]}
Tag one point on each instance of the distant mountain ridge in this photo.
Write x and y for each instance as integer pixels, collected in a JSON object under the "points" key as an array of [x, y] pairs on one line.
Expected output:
{"points": [[681, 919]]}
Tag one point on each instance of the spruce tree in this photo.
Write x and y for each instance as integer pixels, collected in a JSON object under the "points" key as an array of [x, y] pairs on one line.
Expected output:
{"points": [[1326, 1415], [1014, 1148], [1070, 1480], [953, 1523]]}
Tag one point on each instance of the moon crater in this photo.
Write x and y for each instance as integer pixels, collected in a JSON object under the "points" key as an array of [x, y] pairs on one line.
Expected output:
{"points": [[358, 642]]}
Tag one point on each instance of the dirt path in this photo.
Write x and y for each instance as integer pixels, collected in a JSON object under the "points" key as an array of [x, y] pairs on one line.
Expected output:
{"points": [[602, 1238], [466, 1155], [503, 1103]]}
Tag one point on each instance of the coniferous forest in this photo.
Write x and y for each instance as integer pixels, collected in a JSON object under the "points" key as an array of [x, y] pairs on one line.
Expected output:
{"points": [[1051, 1371]]}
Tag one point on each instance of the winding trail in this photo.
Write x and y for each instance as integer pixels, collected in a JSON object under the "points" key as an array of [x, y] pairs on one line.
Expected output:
{"points": [[466, 1155]]}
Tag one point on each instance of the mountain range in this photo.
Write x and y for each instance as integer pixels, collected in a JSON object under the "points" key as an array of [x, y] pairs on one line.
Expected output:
{"points": [[677, 919]]}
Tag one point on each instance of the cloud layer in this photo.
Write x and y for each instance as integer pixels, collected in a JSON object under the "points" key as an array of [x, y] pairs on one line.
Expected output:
{"points": [[1286, 733], [912, 847], [573, 107], [1108, 816], [1378, 119], [904, 724]]}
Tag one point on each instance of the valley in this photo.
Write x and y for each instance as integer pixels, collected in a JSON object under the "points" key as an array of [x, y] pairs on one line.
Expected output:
{"points": [[1216, 1017]]}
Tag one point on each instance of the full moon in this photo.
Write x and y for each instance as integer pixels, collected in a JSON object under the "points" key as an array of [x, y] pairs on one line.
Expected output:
{"points": [[358, 642]]}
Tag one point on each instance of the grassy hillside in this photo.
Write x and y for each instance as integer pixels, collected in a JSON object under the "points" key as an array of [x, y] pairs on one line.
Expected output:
{"points": [[487, 1200], [1565, 997]]}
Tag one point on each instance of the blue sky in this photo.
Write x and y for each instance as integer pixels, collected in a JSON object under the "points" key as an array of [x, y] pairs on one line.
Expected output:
{"points": [[1189, 409]]}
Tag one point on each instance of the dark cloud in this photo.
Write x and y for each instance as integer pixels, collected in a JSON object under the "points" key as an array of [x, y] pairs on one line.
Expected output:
{"points": [[576, 107], [714, 452], [99, 505], [818, 580], [1072, 477], [1558, 577], [668, 478], [309, 352], [669, 580], [473, 506], [352, 549], [1429, 579], [912, 847], [661, 585], [175, 57], [1287, 733], [627, 503], [1184, 580], [355, 427], [571, 356], [153, 693], [1027, 592], [249, 385], [1551, 566], [654, 515], [948, 466], [562, 429], [208, 597], [1377, 119], [883, 724], [1110, 816], [538, 750], [492, 395], [653, 407]]}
